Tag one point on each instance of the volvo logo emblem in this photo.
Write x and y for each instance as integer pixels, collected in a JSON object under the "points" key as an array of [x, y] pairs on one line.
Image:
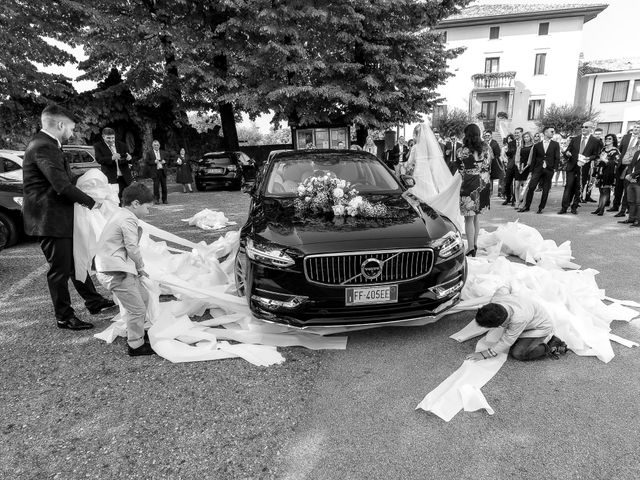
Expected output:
{"points": [[371, 268]]}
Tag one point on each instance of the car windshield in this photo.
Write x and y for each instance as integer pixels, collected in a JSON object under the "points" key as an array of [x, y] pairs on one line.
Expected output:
{"points": [[367, 175], [210, 161]]}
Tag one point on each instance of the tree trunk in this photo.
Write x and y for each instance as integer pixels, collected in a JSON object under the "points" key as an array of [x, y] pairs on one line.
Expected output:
{"points": [[361, 135], [228, 122]]}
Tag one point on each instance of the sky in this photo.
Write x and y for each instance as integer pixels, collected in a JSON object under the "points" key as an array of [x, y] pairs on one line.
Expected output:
{"points": [[609, 35]]}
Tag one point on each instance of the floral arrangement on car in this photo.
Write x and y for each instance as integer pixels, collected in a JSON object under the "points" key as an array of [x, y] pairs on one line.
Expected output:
{"points": [[329, 194]]}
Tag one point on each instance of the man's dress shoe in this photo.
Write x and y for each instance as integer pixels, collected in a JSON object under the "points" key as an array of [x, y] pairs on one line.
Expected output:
{"points": [[104, 304], [74, 323]]}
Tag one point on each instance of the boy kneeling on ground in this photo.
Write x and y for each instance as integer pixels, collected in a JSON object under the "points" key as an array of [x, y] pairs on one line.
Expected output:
{"points": [[119, 264], [528, 330]]}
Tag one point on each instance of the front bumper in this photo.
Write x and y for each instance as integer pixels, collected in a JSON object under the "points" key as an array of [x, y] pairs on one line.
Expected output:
{"points": [[285, 296]]}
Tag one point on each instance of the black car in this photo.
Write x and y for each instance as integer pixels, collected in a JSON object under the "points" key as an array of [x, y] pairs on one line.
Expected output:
{"points": [[323, 269], [11, 209], [224, 169]]}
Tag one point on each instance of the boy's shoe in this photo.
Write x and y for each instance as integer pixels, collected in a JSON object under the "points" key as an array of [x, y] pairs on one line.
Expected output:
{"points": [[557, 346], [103, 305], [144, 349]]}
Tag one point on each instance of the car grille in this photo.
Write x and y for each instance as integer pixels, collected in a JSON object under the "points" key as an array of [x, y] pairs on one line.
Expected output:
{"points": [[368, 268]]}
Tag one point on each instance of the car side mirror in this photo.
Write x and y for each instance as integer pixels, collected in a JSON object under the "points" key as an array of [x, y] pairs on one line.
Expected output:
{"points": [[249, 187], [408, 181]]}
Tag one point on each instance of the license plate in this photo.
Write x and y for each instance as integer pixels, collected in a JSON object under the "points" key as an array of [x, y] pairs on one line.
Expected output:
{"points": [[215, 170], [371, 295]]}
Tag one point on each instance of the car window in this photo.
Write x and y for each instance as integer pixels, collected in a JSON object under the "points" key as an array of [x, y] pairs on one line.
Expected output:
{"points": [[77, 156], [366, 175], [7, 165], [208, 161], [244, 159]]}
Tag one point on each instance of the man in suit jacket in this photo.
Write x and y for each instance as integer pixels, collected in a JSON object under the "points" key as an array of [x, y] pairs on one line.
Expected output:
{"points": [[497, 170], [49, 198], [589, 147], [451, 148], [114, 160], [588, 156], [156, 161], [544, 160], [628, 145]]}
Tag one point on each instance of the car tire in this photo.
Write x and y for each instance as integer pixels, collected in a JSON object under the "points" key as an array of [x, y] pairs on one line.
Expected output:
{"points": [[240, 278], [12, 229], [200, 187]]}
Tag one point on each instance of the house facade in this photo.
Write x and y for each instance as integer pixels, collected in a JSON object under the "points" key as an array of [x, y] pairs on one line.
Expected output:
{"points": [[517, 60], [612, 88]]}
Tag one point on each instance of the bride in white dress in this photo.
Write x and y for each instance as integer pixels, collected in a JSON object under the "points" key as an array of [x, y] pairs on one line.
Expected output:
{"points": [[435, 185]]}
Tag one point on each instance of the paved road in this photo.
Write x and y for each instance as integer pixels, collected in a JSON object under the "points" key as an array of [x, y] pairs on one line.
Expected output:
{"points": [[572, 418]]}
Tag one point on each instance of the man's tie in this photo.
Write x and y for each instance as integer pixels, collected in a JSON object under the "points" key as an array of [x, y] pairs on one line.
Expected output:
{"points": [[583, 143]]}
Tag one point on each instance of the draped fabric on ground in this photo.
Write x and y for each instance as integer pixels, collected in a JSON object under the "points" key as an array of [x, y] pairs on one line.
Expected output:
{"points": [[571, 296], [200, 276]]}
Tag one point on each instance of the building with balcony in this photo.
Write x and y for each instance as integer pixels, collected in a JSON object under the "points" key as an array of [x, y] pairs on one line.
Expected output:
{"points": [[612, 88], [517, 59]]}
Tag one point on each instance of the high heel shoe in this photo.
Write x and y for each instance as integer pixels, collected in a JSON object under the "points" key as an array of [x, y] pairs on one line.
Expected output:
{"points": [[595, 212]]}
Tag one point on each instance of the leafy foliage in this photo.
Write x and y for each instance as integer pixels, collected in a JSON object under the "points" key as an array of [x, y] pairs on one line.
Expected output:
{"points": [[566, 119], [452, 122]]}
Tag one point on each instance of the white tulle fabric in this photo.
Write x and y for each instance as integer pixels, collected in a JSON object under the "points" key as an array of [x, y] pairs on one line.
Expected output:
{"points": [[200, 276], [434, 183]]}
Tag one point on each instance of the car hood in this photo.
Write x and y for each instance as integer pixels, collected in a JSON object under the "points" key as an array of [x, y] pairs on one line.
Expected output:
{"points": [[411, 224]]}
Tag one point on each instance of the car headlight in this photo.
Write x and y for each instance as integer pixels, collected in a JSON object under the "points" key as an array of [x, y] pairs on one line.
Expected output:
{"points": [[18, 200], [448, 245], [269, 254]]}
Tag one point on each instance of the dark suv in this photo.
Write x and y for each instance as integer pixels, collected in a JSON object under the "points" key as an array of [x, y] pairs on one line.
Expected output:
{"points": [[10, 210], [224, 169]]}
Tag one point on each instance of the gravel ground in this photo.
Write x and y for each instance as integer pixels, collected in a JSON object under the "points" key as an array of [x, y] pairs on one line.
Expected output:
{"points": [[75, 407]]}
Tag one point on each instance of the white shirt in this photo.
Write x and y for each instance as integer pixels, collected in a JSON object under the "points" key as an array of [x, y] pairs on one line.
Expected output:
{"points": [[114, 151], [159, 164]]}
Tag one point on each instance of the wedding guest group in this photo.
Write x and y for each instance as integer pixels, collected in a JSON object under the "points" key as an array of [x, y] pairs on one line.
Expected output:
{"points": [[49, 198], [589, 162]]}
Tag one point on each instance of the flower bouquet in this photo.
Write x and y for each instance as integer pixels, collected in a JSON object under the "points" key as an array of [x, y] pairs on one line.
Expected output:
{"points": [[329, 194]]}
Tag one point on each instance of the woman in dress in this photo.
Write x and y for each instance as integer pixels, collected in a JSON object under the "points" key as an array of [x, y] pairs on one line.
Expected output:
{"points": [[434, 183], [522, 171], [605, 169], [369, 146], [184, 176], [474, 163]]}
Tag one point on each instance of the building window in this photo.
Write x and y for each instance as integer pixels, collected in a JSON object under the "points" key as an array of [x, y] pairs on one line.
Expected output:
{"points": [[538, 69], [536, 109], [494, 33], [614, 92], [635, 95], [610, 127], [489, 110], [491, 64], [543, 28]]}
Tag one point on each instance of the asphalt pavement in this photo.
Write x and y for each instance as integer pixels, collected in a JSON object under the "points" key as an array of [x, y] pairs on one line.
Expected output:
{"points": [[574, 418]]}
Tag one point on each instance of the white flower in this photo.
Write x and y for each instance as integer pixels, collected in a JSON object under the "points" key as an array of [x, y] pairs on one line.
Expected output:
{"points": [[338, 193], [307, 199], [309, 189], [352, 211], [301, 189], [338, 210], [355, 202], [341, 184]]}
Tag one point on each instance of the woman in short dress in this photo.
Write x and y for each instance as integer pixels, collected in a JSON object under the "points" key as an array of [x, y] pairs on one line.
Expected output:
{"points": [[474, 164], [522, 171], [184, 175], [605, 171]]}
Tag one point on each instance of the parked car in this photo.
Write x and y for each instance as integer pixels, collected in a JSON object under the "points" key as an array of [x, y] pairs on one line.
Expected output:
{"points": [[224, 169], [11, 164], [11, 209], [326, 270], [81, 158]]}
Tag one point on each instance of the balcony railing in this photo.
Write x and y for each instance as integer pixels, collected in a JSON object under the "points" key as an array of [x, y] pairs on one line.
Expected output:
{"points": [[494, 80]]}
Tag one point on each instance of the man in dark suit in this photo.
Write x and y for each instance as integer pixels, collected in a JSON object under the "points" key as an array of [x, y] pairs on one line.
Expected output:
{"points": [[49, 198], [497, 169], [544, 160], [581, 150], [632, 178], [629, 144], [156, 161], [585, 173], [451, 148], [114, 160]]}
